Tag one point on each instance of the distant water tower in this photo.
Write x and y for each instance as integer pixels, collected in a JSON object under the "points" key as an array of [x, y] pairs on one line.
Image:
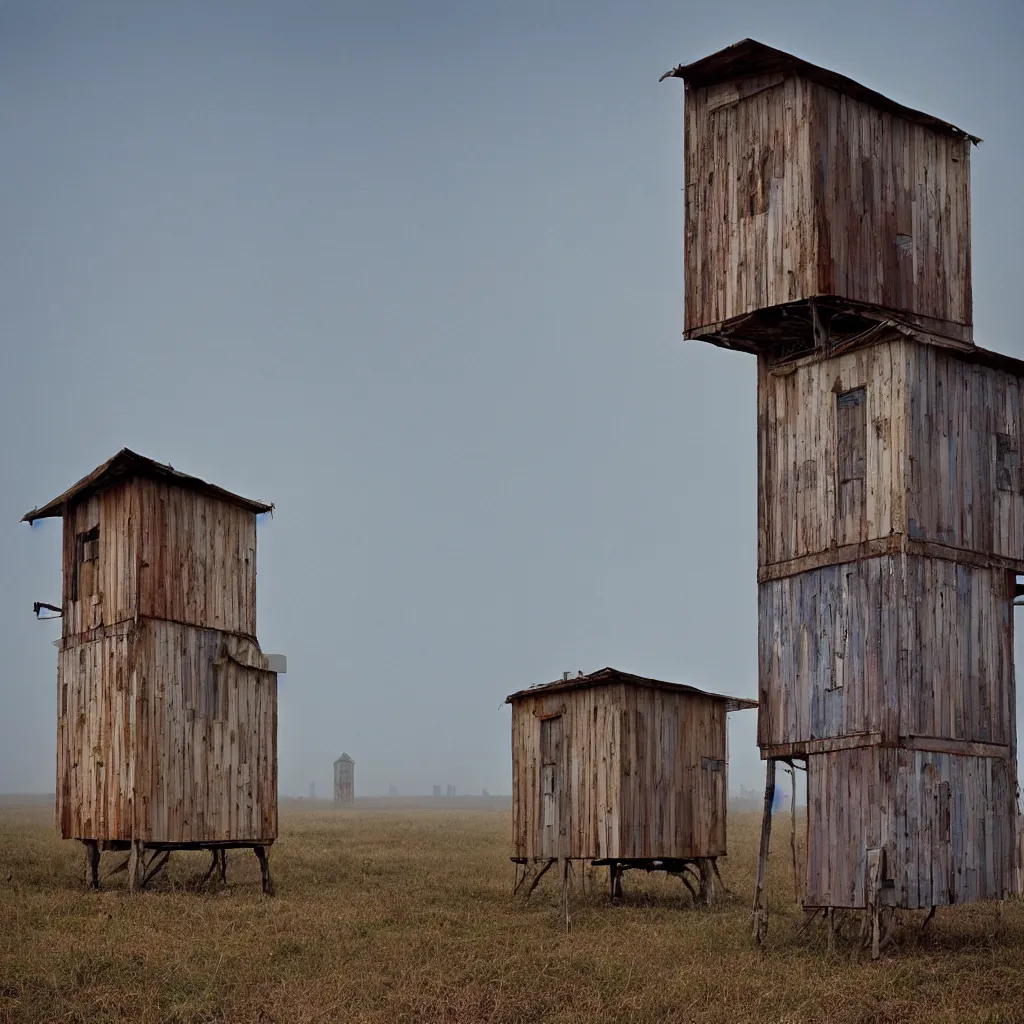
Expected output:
{"points": [[344, 781]]}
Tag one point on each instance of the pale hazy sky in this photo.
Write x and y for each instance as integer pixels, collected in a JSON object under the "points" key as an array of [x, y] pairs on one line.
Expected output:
{"points": [[413, 272]]}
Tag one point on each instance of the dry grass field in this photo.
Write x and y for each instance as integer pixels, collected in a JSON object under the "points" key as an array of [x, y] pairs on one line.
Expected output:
{"points": [[389, 914]]}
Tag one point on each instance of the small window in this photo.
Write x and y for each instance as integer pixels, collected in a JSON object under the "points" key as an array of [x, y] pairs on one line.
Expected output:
{"points": [[852, 430], [1007, 462], [713, 764], [87, 553]]}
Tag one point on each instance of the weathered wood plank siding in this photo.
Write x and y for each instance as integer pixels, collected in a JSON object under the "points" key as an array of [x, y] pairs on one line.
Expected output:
{"points": [[209, 722], [893, 201], [794, 190], [642, 774], [966, 429], [588, 784], [198, 559], [102, 590], [95, 751], [804, 505], [167, 720], [946, 821], [164, 735], [852, 650]]}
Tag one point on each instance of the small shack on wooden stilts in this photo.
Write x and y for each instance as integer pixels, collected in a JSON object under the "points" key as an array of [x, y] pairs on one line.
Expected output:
{"points": [[828, 234], [166, 706], [345, 781], [621, 771]]}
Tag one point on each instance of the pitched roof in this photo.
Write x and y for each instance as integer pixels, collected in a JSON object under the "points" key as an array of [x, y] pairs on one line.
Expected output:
{"points": [[749, 57], [344, 757], [607, 676], [127, 464]]}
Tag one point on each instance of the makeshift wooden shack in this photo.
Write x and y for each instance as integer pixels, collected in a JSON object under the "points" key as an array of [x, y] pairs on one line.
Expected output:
{"points": [[167, 707], [622, 771], [344, 781], [828, 234]]}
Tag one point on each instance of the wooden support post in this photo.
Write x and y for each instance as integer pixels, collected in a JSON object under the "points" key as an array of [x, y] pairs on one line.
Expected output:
{"points": [[213, 867], [707, 882], [615, 880], [156, 864], [537, 877], [92, 863], [792, 833], [564, 867], [266, 882], [223, 866], [718, 876], [873, 888], [135, 863], [760, 911], [830, 919]]}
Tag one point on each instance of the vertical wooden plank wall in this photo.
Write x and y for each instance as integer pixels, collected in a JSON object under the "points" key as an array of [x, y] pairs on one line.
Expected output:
{"points": [[798, 478], [166, 731], [794, 190], [94, 738], [212, 732], [644, 773], [198, 559], [850, 650], [589, 808], [946, 821], [966, 431], [750, 219], [893, 201]]}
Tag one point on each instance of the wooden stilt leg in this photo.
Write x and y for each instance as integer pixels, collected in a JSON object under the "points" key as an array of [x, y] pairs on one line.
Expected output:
{"points": [[223, 867], [760, 912], [537, 877], [214, 862], [266, 882], [792, 833], [92, 863], [564, 867], [718, 876], [875, 876], [830, 919], [707, 883], [135, 864]]}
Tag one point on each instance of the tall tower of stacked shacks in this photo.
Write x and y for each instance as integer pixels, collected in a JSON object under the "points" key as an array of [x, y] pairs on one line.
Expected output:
{"points": [[828, 234]]}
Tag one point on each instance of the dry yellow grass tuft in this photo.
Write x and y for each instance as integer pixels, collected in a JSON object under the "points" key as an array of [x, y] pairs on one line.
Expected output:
{"points": [[405, 915]]}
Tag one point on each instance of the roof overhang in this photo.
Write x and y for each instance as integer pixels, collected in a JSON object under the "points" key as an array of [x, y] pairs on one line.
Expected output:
{"points": [[611, 676], [126, 465], [749, 57]]}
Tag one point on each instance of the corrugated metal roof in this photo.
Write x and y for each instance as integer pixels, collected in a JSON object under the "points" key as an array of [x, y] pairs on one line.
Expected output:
{"points": [[606, 676], [749, 57], [127, 464]]}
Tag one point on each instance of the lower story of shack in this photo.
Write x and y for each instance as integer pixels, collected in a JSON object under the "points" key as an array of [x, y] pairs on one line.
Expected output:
{"points": [[167, 733], [946, 823]]}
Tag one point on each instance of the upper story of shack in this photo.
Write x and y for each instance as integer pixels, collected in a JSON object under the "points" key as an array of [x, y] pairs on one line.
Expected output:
{"points": [[817, 208], [142, 539]]}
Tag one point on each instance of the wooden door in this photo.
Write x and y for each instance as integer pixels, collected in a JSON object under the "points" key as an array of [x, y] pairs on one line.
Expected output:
{"points": [[551, 784]]}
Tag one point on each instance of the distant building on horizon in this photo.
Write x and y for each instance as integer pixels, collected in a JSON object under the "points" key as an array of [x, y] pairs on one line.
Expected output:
{"points": [[345, 781]]}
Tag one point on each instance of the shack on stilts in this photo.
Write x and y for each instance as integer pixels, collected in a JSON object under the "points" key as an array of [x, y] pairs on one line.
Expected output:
{"points": [[621, 771], [166, 706], [828, 234]]}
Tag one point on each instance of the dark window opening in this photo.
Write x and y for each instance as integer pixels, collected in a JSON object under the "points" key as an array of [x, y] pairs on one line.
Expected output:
{"points": [[87, 554], [852, 429], [1007, 462]]}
